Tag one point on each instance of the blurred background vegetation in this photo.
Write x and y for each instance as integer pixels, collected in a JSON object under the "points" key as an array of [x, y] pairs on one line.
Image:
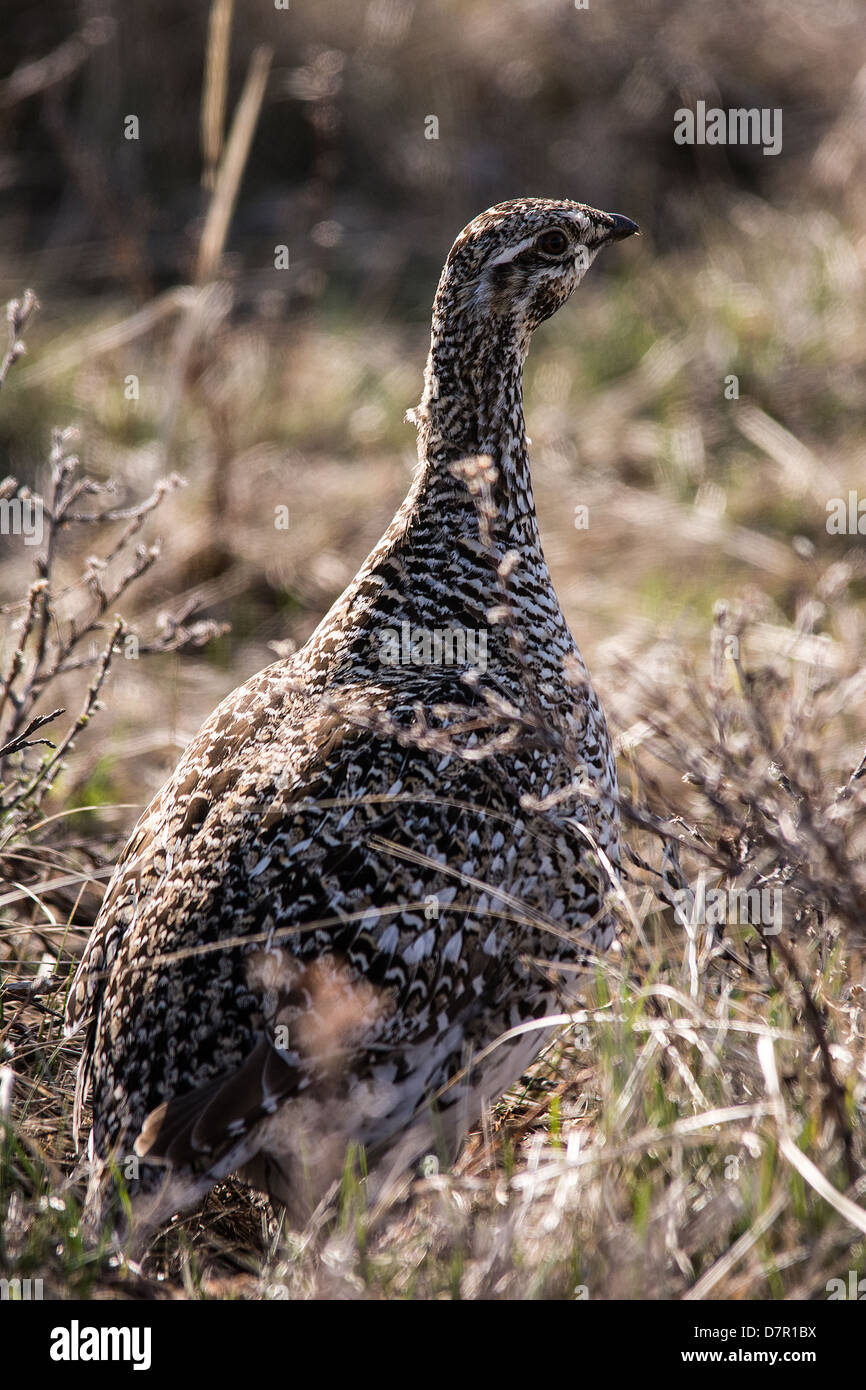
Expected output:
{"points": [[270, 387], [171, 337]]}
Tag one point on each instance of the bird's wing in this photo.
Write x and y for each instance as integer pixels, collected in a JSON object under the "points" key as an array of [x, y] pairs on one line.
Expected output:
{"points": [[211, 765], [358, 887]]}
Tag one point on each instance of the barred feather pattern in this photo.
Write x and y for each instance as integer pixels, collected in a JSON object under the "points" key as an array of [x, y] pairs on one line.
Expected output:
{"points": [[363, 872]]}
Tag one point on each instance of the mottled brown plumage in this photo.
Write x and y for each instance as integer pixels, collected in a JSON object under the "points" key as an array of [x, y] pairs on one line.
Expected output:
{"points": [[376, 856]]}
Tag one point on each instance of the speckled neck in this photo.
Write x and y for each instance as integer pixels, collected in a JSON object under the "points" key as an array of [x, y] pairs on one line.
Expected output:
{"points": [[473, 404]]}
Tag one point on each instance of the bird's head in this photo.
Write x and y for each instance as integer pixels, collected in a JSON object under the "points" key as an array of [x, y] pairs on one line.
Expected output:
{"points": [[519, 262], [508, 271]]}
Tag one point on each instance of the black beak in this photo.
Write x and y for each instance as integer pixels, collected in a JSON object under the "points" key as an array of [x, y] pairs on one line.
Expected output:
{"points": [[621, 227]]}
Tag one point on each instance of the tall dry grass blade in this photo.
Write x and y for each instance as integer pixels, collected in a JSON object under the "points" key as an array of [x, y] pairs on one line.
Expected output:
{"points": [[213, 96], [231, 169]]}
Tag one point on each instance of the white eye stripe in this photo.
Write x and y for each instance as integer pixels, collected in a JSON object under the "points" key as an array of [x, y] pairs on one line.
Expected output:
{"points": [[511, 251]]}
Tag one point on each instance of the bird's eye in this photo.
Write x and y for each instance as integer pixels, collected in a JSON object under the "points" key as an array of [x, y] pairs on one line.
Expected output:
{"points": [[553, 242]]}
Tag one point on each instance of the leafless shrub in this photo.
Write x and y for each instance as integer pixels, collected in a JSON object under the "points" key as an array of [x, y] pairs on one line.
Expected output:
{"points": [[62, 627]]}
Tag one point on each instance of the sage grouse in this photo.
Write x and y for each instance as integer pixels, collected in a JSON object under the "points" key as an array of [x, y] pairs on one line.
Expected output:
{"points": [[384, 853]]}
